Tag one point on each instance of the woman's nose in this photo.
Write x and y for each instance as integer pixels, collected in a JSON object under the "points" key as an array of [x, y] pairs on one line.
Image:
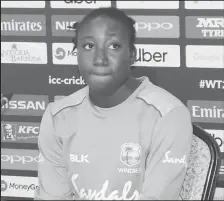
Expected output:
{"points": [[100, 58]]}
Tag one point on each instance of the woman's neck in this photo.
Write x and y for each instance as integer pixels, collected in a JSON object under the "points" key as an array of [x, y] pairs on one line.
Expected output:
{"points": [[117, 97]]}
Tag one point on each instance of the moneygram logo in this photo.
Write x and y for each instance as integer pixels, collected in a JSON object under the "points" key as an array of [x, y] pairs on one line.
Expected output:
{"points": [[157, 26], [26, 105], [158, 55], [20, 159], [22, 132], [73, 80], [202, 56], [23, 25], [4, 185], [63, 54], [23, 53], [206, 111], [204, 4], [218, 135], [148, 4], [80, 4], [205, 27], [61, 23], [22, 4], [17, 186]]}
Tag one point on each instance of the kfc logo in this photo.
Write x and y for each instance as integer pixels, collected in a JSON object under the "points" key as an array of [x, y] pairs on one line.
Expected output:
{"points": [[9, 131]]}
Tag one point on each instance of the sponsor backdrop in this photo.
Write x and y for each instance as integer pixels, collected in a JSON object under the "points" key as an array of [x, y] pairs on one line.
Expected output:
{"points": [[179, 47]]}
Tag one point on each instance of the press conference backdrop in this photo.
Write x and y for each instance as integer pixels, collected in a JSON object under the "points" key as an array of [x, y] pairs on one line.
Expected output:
{"points": [[179, 47]]}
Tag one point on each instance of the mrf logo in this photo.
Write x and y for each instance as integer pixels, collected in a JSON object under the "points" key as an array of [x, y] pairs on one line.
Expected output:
{"points": [[130, 154]]}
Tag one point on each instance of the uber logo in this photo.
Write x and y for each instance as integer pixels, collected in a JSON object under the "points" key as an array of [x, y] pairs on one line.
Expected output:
{"points": [[79, 1], [157, 55], [79, 158], [80, 4]]}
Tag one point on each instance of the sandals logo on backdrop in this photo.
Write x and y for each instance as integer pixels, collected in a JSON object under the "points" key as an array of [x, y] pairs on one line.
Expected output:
{"points": [[23, 53], [22, 132], [157, 55], [23, 25], [206, 111], [80, 4], [157, 26], [17, 186], [26, 105], [20, 159], [205, 27]]}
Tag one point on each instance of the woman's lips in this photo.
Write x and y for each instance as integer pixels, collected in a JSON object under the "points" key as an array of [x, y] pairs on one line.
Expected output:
{"points": [[100, 72]]}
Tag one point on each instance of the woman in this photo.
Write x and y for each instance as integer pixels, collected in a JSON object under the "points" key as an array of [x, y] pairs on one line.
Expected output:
{"points": [[119, 137]]}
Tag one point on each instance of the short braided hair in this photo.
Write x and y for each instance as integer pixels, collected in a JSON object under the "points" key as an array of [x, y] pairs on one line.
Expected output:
{"points": [[110, 12]]}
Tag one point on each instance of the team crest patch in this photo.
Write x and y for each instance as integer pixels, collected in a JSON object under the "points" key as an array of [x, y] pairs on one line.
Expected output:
{"points": [[130, 154]]}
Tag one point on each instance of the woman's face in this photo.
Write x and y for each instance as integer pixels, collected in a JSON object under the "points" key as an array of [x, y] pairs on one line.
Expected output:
{"points": [[103, 51]]}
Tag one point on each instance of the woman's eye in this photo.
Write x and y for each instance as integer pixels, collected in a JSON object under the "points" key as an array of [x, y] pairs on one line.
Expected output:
{"points": [[114, 46], [88, 46]]}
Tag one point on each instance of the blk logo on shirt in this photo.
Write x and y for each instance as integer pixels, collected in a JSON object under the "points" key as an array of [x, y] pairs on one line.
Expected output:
{"points": [[79, 158]]}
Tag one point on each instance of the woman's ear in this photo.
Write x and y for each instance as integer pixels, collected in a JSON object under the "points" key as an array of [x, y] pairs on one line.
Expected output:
{"points": [[133, 54]]}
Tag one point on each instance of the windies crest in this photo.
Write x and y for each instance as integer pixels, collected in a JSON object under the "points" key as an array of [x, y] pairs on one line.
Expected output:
{"points": [[130, 154]]}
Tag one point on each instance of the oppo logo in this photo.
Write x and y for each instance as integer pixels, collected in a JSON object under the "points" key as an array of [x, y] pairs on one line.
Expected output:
{"points": [[22, 159], [79, 2], [153, 26]]}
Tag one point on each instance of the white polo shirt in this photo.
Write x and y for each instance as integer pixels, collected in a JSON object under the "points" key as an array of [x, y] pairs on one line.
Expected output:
{"points": [[136, 150]]}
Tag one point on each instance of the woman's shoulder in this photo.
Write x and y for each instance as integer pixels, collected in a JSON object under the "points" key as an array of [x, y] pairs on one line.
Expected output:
{"points": [[160, 98], [71, 100]]}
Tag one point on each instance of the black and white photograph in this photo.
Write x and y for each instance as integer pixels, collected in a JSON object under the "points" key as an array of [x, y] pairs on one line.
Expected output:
{"points": [[112, 100]]}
